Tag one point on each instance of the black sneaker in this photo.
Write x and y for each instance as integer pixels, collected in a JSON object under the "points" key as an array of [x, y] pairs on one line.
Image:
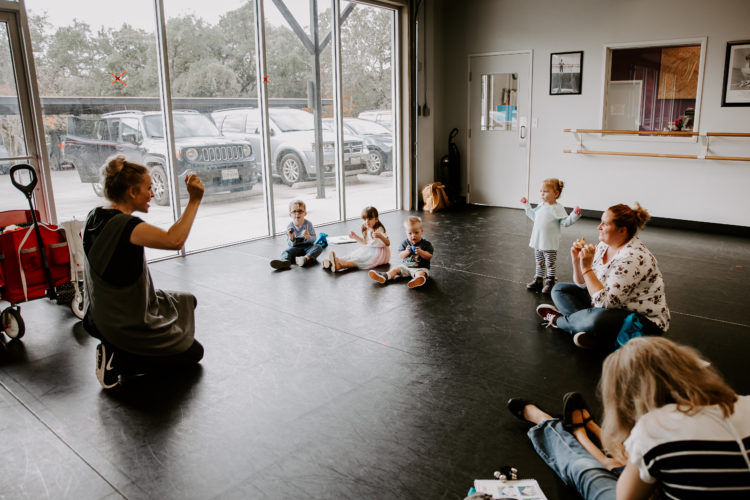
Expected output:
{"points": [[105, 372], [281, 264], [535, 285]]}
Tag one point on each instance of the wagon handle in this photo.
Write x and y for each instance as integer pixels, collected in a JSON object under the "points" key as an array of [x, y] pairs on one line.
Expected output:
{"points": [[26, 189]]}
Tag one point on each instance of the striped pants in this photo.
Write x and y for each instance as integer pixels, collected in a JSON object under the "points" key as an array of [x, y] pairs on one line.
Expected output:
{"points": [[545, 259]]}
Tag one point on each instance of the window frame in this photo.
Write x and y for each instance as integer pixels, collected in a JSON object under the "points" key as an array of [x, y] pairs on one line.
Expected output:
{"points": [[607, 70]]}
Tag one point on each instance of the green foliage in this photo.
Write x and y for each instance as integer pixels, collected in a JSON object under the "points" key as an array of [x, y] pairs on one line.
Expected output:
{"points": [[216, 60]]}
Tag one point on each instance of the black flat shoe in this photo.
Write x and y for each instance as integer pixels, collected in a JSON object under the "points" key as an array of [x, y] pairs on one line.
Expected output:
{"points": [[573, 401], [516, 406]]}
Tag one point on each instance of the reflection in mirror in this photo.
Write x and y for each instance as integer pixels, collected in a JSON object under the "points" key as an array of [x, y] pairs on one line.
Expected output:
{"points": [[499, 101], [653, 88]]}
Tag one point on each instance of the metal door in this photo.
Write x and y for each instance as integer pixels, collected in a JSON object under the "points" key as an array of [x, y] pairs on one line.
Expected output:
{"points": [[499, 111]]}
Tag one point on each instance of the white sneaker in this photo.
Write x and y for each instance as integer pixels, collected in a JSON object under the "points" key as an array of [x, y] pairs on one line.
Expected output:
{"points": [[105, 372], [301, 261]]}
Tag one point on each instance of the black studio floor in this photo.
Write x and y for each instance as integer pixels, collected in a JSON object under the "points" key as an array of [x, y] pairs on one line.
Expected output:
{"points": [[330, 386]]}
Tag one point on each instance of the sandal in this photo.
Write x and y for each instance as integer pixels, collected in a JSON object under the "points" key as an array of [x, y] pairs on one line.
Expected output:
{"points": [[573, 401]]}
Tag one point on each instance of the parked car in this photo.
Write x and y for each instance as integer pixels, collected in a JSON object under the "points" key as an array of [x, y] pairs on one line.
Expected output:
{"points": [[292, 140], [223, 164], [4, 164], [378, 141], [383, 117]]}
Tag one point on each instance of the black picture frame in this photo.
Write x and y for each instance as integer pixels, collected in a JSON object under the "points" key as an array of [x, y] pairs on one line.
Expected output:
{"points": [[736, 88], [566, 73]]}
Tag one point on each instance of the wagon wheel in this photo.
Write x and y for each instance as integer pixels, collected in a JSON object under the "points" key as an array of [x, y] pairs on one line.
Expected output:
{"points": [[12, 323]]}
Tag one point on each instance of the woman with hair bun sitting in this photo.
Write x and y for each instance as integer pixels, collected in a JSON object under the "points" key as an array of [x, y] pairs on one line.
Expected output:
{"points": [[141, 329], [617, 283]]}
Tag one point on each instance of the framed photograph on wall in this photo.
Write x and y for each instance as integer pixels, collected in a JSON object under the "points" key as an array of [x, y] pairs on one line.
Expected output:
{"points": [[565, 72], [736, 91]]}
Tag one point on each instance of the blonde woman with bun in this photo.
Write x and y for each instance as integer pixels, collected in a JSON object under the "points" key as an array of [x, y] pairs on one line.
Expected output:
{"points": [[141, 329], [613, 280], [669, 418]]}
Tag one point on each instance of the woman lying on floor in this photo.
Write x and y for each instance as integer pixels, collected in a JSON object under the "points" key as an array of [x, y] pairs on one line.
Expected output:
{"points": [[141, 329], [669, 417]]}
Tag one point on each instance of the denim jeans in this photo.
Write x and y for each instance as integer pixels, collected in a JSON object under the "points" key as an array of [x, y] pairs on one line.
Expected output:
{"points": [[312, 251], [578, 315], [565, 455]]}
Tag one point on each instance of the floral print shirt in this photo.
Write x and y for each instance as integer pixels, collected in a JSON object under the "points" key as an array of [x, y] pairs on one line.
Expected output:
{"points": [[632, 281]]}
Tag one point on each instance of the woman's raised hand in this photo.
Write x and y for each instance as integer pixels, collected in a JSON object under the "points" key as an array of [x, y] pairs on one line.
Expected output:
{"points": [[586, 256], [194, 186]]}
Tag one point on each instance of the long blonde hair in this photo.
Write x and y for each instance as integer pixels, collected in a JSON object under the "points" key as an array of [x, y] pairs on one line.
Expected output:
{"points": [[648, 373]]}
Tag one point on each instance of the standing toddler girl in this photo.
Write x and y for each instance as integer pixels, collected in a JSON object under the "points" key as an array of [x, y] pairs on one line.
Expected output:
{"points": [[375, 250], [548, 217]]}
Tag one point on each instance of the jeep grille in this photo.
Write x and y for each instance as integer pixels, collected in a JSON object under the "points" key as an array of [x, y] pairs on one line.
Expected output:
{"points": [[221, 153], [353, 147]]}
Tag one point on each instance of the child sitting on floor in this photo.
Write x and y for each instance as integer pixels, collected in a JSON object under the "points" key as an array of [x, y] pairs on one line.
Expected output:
{"points": [[375, 252], [415, 253], [302, 246]]}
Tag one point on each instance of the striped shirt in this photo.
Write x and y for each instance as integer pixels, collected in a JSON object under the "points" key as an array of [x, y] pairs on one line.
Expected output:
{"points": [[694, 456]]}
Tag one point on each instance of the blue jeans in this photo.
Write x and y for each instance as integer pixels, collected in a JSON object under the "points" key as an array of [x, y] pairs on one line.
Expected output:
{"points": [[578, 315], [565, 455], [311, 250]]}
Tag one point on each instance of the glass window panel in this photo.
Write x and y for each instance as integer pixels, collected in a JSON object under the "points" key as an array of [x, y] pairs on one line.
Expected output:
{"points": [[499, 101], [12, 139], [652, 88], [97, 77], [366, 60], [298, 147], [213, 79]]}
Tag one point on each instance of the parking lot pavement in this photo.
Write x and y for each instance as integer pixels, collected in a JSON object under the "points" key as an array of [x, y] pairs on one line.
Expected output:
{"points": [[226, 217]]}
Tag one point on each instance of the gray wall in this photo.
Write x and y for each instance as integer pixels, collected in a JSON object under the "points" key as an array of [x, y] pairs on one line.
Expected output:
{"points": [[698, 190]]}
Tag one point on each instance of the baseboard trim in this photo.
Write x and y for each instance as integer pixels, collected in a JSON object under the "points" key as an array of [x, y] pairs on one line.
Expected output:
{"points": [[689, 225]]}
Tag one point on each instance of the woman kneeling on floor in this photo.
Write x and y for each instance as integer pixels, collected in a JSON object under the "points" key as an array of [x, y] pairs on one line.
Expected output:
{"points": [[669, 417], [617, 284], [141, 329]]}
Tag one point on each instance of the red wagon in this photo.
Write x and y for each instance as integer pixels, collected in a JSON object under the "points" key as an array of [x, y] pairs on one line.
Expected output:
{"points": [[34, 261]]}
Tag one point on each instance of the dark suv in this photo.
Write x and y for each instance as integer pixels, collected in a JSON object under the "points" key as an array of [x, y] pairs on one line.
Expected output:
{"points": [[223, 164]]}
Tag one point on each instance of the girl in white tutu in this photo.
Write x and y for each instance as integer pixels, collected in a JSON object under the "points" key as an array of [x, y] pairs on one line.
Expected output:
{"points": [[375, 250]]}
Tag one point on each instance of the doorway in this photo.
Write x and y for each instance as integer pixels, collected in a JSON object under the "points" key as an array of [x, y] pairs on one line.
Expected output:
{"points": [[499, 132]]}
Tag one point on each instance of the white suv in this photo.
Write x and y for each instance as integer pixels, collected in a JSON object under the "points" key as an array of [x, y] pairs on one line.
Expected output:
{"points": [[292, 141]]}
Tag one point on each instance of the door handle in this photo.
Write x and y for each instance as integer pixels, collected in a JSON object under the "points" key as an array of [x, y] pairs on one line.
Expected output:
{"points": [[523, 132]]}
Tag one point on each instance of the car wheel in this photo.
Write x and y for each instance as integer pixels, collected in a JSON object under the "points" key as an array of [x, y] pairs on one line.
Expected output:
{"points": [[375, 162], [12, 323], [159, 185], [291, 169], [98, 189]]}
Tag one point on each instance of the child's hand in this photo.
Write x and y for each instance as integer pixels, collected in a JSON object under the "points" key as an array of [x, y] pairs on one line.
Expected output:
{"points": [[353, 235], [290, 231], [577, 210], [524, 200], [306, 234]]}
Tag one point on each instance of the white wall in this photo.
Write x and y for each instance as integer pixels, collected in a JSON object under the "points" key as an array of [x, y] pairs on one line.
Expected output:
{"points": [[697, 190]]}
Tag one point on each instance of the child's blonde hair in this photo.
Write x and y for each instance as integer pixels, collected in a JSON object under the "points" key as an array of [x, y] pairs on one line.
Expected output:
{"points": [[297, 203], [412, 220], [555, 184], [370, 213], [650, 372]]}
